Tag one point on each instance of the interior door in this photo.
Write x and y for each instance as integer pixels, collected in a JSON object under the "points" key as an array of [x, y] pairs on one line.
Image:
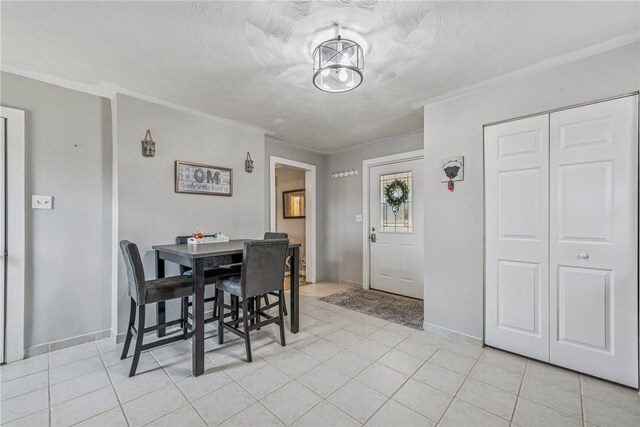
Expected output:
{"points": [[3, 227], [396, 243], [594, 239], [517, 221]]}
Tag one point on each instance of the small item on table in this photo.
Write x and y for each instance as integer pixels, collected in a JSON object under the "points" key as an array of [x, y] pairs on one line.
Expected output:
{"points": [[198, 238]]}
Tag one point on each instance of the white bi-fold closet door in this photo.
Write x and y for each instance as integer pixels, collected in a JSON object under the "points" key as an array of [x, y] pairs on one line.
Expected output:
{"points": [[561, 199]]}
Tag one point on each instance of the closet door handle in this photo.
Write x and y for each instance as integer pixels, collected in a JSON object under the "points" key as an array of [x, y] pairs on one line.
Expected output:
{"points": [[583, 255]]}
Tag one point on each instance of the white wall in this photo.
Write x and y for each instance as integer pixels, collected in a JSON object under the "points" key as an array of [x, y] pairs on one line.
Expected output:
{"points": [[288, 179], [344, 236], [150, 212], [275, 147], [68, 156], [454, 223]]}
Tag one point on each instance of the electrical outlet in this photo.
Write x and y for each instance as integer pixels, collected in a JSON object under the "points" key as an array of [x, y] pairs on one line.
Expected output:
{"points": [[41, 202], [358, 218]]}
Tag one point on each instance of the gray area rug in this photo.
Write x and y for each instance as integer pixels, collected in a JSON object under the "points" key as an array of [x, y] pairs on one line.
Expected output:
{"points": [[405, 311]]}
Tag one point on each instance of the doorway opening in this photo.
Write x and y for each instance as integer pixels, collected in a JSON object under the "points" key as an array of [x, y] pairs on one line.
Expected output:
{"points": [[292, 200]]}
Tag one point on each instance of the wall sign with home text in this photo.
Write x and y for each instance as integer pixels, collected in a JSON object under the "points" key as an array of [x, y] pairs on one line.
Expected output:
{"points": [[197, 178]]}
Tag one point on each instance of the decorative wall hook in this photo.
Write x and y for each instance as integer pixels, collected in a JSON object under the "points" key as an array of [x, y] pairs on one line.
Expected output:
{"points": [[452, 170], [248, 164], [344, 173], [148, 145]]}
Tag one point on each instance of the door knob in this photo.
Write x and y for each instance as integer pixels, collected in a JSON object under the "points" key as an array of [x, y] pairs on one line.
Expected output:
{"points": [[372, 237], [583, 255]]}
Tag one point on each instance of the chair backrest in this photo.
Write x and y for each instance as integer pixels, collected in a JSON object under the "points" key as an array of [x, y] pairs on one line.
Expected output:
{"points": [[263, 266], [135, 270], [270, 235]]}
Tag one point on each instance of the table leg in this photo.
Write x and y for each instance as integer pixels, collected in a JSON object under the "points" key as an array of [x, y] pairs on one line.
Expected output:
{"points": [[160, 307], [294, 312], [198, 318]]}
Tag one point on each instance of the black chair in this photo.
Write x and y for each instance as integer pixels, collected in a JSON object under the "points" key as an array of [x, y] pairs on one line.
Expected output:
{"points": [[262, 272], [269, 235], [211, 274], [144, 292]]}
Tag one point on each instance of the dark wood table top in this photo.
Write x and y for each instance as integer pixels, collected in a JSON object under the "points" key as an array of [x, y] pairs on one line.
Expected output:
{"points": [[205, 250]]}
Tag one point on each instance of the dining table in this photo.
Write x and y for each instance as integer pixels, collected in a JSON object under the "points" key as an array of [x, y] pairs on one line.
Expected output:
{"points": [[200, 257]]}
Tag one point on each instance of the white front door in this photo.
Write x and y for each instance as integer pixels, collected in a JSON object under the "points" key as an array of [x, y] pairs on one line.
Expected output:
{"points": [[517, 224], [593, 239], [396, 262]]}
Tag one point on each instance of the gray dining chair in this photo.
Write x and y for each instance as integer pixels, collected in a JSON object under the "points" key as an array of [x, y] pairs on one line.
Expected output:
{"points": [[211, 274], [269, 235], [262, 272], [143, 292]]}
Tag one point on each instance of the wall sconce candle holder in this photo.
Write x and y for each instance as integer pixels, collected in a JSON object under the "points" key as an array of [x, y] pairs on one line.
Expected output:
{"points": [[248, 164], [148, 145]]}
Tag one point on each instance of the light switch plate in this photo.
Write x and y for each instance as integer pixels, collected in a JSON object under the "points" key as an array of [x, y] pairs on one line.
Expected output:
{"points": [[358, 218], [41, 202]]}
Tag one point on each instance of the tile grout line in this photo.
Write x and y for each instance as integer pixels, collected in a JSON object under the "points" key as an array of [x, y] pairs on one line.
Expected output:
{"points": [[180, 391], [402, 385], [444, 413], [49, 387], [515, 406], [124, 414], [102, 388], [584, 422]]}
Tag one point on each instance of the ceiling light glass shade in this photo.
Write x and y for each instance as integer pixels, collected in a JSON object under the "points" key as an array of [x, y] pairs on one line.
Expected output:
{"points": [[338, 65]]}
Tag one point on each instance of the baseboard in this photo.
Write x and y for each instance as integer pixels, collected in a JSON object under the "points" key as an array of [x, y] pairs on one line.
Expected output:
{"points": [[453, 335], [349, 282], [67, 342]]}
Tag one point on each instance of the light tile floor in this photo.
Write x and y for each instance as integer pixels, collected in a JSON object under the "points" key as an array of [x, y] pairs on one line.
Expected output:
{"points": [[342, 369]]}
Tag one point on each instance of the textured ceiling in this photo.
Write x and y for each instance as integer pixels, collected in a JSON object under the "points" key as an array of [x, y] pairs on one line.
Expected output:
{"points": [[250, 61]]}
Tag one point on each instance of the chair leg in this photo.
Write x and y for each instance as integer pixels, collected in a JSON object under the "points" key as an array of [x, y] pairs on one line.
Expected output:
{"points": [[266, 299], [284, 303], [220, 302], [281, 306], [252, 310], [132, 320], [139, 338], [245, 323], [215, 302], [235, 308], [185, 316], [258, 311]]}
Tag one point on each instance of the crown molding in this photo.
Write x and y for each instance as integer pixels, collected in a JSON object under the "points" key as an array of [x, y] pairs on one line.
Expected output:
{"points": [[374, 142], [293, 145], [110, 90], [544, 65]]}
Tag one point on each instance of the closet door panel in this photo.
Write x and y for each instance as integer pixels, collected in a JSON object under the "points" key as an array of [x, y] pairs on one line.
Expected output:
{"points": [[594, 239], [516, 215]]}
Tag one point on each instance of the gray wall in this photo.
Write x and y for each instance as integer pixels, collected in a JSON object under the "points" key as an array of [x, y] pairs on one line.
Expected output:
{"points": [[275, 147], [454, 223], [288, 179], [68, 156], [150, 212], [344, 236]]}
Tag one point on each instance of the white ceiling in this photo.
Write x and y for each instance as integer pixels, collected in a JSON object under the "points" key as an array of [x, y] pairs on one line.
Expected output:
{"points": [[250, 61]]}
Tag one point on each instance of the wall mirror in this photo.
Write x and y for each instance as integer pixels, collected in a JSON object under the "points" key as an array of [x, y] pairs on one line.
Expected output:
{"points": [[293, 204]]}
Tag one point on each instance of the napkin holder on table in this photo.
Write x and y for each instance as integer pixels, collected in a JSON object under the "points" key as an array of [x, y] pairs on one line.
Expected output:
{"points": [[216, 238]]}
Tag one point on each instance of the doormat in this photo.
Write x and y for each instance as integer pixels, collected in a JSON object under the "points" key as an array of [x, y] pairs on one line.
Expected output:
{"points": [[404, 311]]}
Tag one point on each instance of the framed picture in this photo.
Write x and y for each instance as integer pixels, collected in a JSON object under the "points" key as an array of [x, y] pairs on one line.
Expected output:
{"points": [[197, 178], [293, 204]]}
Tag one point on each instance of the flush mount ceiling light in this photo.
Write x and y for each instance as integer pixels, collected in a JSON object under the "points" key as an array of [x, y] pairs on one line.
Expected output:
{"points": [[338, 65]]}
